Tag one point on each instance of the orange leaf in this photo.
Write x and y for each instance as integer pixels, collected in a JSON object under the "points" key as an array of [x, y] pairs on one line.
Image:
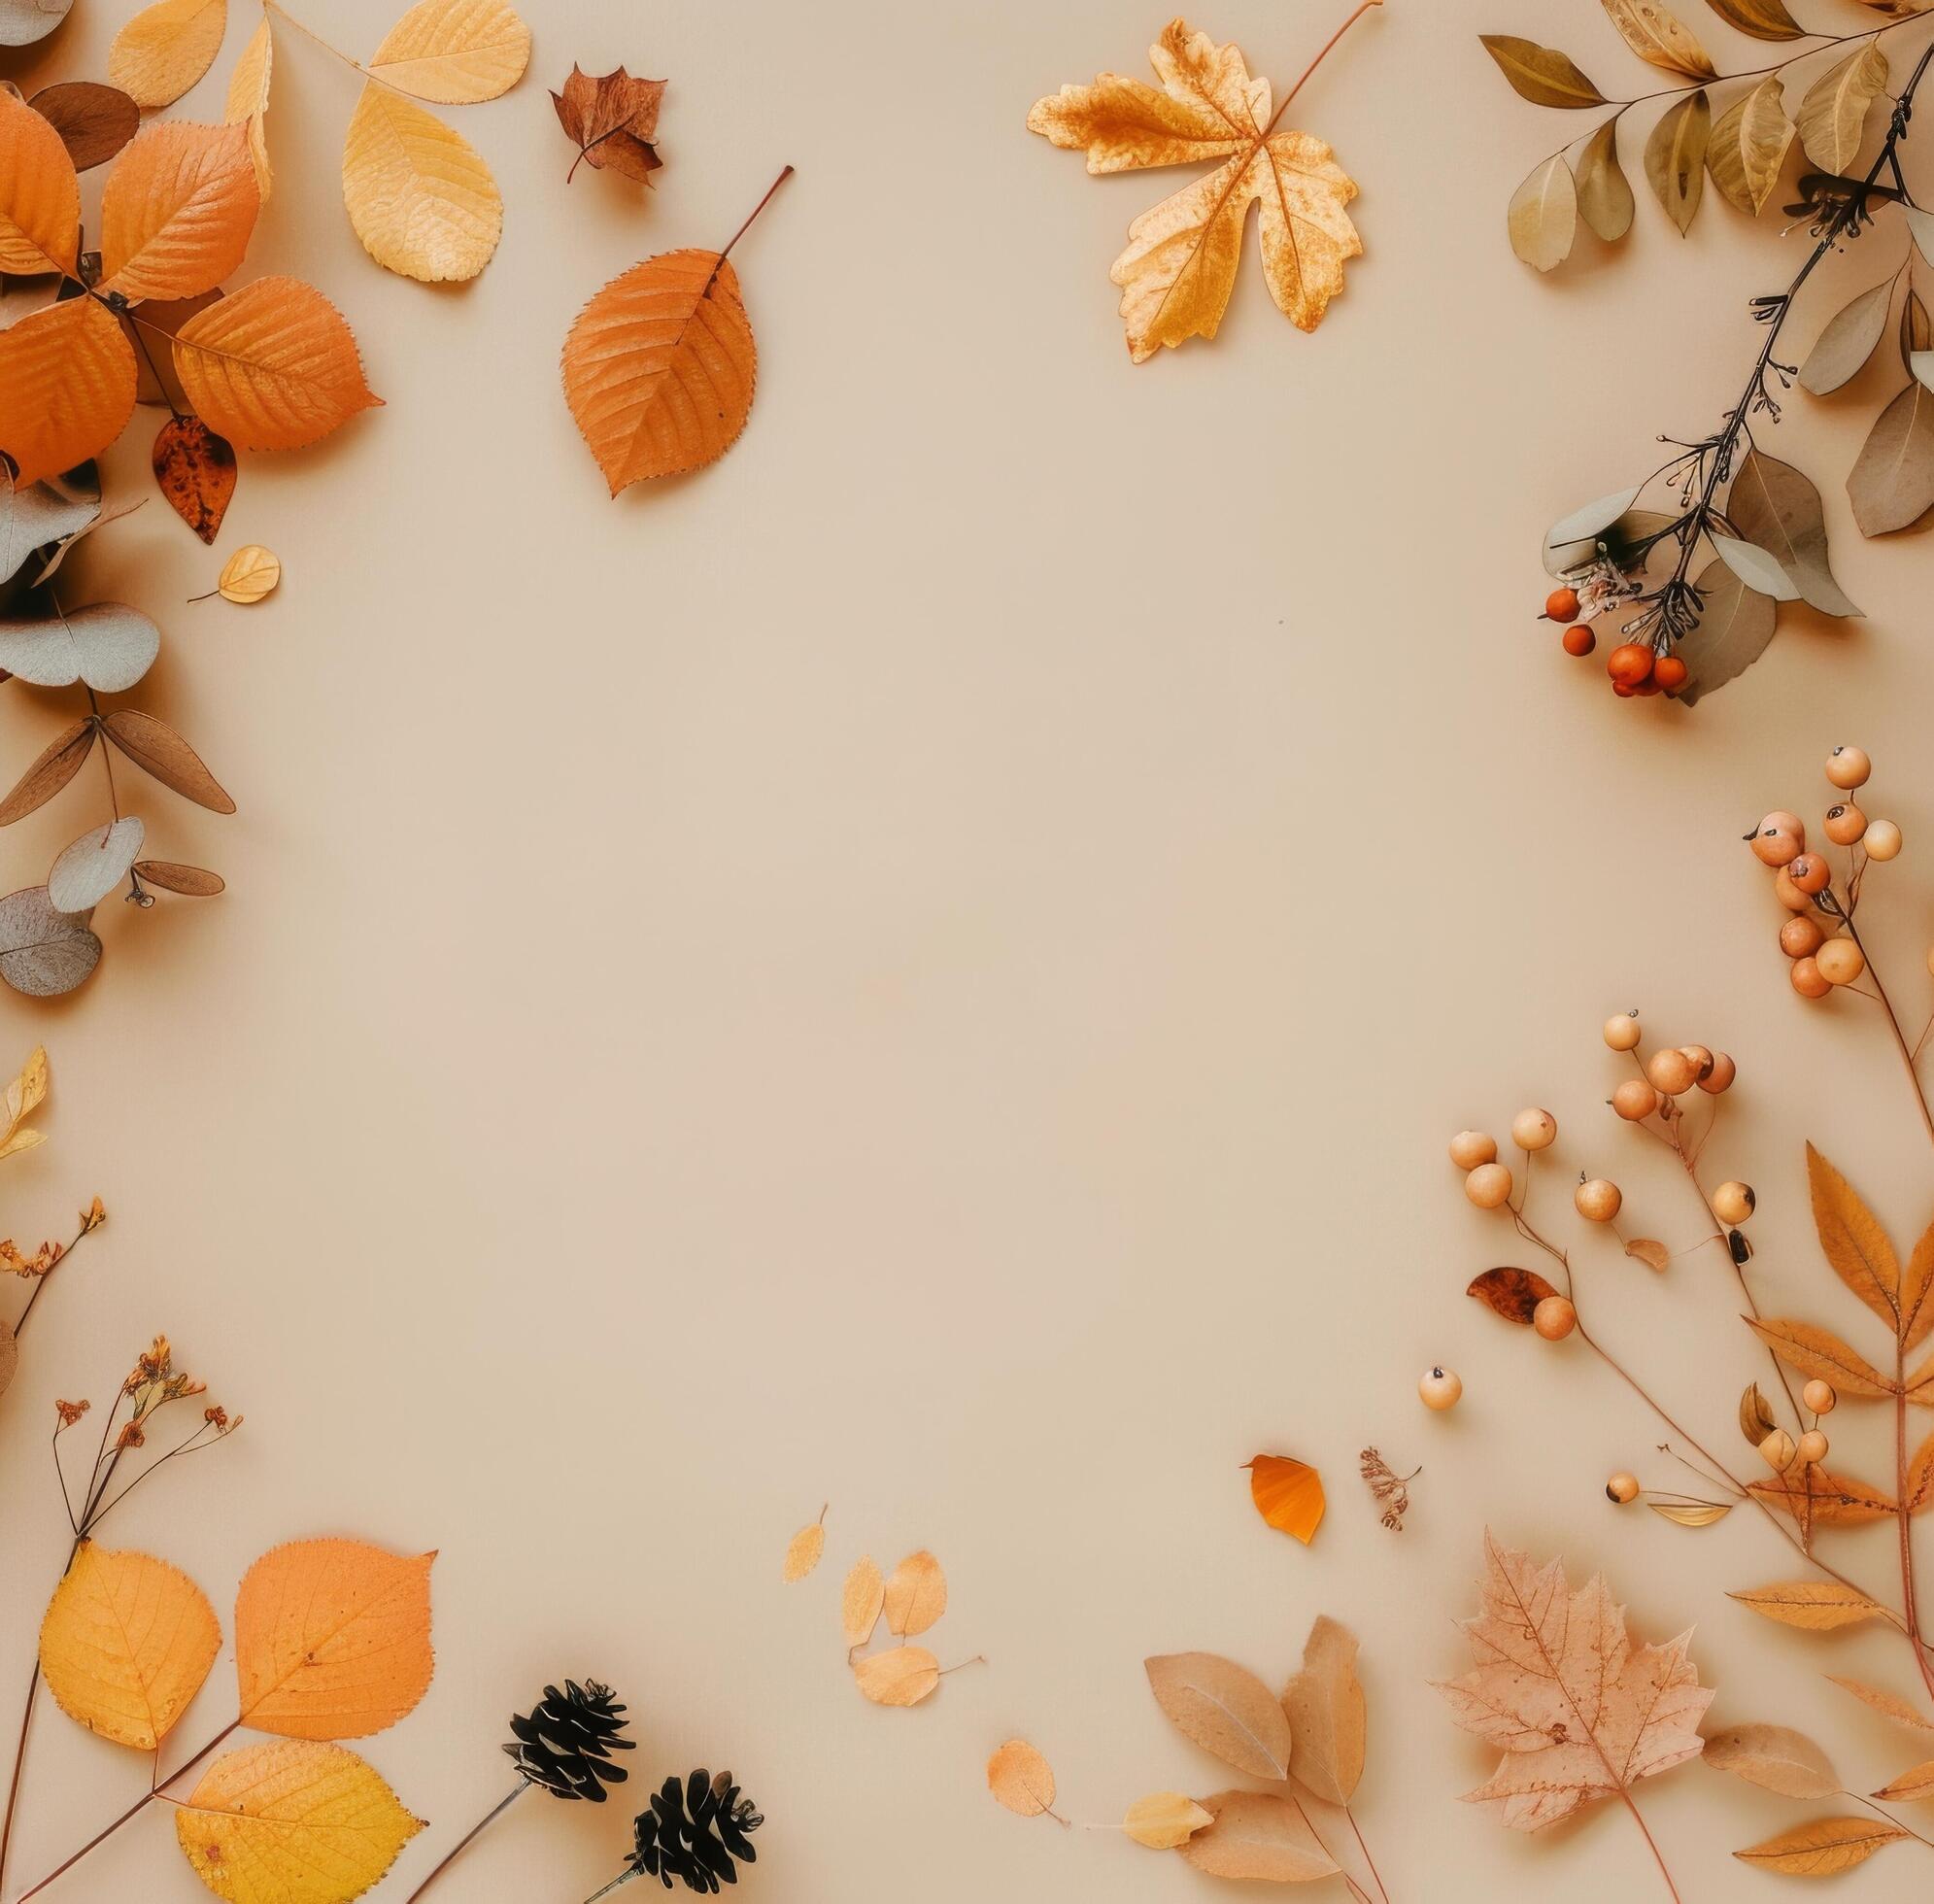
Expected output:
{"points": [[40, 196], [1288, 1494], [195, 470], [177, 210], [1022, 1780], [272, 367], [66, 387], [166, 48], [1810, 1494], [1818, 1352], [659, 367], [332, 1639], [915, 1595], [1855, 1244], [901, 1677]]}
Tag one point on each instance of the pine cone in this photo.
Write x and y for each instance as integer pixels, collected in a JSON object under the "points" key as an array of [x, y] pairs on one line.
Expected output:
{"points": [[566, 1744], [694, 1831]]}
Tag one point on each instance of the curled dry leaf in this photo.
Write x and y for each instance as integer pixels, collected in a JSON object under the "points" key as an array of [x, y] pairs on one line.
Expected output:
{"points": [[420, 196], [1288, 1494], [1833, 113], [1225, 1709], [1513, 1294], [107, 644], [1675, 157], [94, 865], [1326, 1720], [1818, 1606], [915, 1596], [193, 882], [1257, 1835], [1823, 1848], [1774, 1757], [1654, 1255], [611, 121], [177, 211], [43, 953], [803, 1551], [67, 387], [1182, 257], [125, 1645], [195, 471], [1750, 143], [94, 121], [1538, 74], [455, 52], [1165, 1819], [24, 1096], [861, 1601], [902, 1675], [166, 48], [1890, 1704], [1022, 1780], [157, 749], [250, 575], [1691, 1513]]}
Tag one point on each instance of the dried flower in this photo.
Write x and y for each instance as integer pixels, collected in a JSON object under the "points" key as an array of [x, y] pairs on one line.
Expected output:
{"points": [[70, 1412], [37, 1265], [93, 1216], [1390, 1490], [131, 1437]]}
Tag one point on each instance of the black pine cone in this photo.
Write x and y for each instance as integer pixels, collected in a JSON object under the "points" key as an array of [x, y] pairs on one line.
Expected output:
{"points": [[566, 1743], [695, 1831]]}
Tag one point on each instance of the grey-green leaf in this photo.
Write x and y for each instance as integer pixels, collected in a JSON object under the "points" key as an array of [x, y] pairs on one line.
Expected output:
{"points": [[1921, 224], [1891, 484], [42, 513], [1605, 196], [1544, 215], [1847, 341], [94, 865], [1922, 363], [1675, 157], [1573, 540], [106, 644], [1735, 624], [1916, 330], [1775, 505], [42, 951], [1540, 73], [1756, 567], [23, 22]]}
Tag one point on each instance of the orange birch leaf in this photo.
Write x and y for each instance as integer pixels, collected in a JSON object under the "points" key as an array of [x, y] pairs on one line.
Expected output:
{"points": [[915, 1596], [39, 195], [273, 366], [177, 211], [454, 52], [67, 385], [126, 1643], [248, 101], [1022, 1780], [166, 48], [1288, 1494], [902, 1677], [332, 1639]]}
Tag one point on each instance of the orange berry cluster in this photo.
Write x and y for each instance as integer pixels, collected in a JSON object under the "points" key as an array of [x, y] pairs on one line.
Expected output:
{"points": [[1634, 668], [1672, 1071]]}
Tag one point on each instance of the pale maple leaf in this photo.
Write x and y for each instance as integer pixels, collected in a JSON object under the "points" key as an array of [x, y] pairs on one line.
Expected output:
{"points": [[1580, 1712], [1180, 264]]}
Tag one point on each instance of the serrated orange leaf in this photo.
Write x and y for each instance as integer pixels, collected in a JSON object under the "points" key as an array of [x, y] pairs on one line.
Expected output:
{"points": [[293, 1822], [803, 1551], [421, 198], [1021, 1779], [902, 1675], [273, 366], [916, 1595], [332, 1639], [1165, 1819], [247, 102], [126, 1643], [166, 48], [1288, 1494], [177, 211], [39, 195], [861, 1601], [455, 52], [1823, 1848], [67, 384]]}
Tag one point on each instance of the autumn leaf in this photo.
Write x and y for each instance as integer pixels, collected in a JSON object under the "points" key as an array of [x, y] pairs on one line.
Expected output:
{"points": [[1819, 1353], [1855, 1244], [252, 574], [1774, 1757], [107, 644], [273, 366], [611, 121], [1541, 74], [43, 953], [1660, 38], [191, 882], [1288, 1494], [94, 121], [166, 48], [89, 868], [332, 1639], [915, 1595], [1513, 1294], [1580, 1713], [1165, 1819], [1225, 1709], [1325, 1708], [1818, 1606], [24, 1096], [178, 211], [247, 102], [1917, 1313], [195, 470], [1257, 1835], [1181, 261], [861, 1601], [804, 1549], [1832, 119], [902, 1675], [1882, 1700], [1815, 1495], [157, 749], [454, 52], [1690, 1514], [293, 1822], [421, 198], [66, 387], [1917, 1781], [40, 197], [1750, 143], [1023, 1781], [1824, 1848], [57, 764]]}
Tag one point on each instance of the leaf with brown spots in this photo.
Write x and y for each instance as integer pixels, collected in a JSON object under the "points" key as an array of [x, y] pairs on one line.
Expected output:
{"points": [[195, 470], [1513, 1294]]}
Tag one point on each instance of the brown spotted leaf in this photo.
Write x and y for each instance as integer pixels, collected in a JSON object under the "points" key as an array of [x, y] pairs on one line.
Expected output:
{"points": [[1513, 1294], [195, 470]]}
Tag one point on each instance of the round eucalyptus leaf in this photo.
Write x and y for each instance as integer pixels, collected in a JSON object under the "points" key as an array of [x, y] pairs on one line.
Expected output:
{"points": [[94, 865], [44, 952]]}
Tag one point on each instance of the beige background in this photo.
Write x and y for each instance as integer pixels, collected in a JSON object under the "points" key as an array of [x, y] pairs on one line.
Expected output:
{"points": [[931, 965]]}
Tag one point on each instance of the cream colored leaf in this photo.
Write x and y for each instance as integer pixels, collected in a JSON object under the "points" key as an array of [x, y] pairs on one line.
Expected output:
{"points": [[861, 1601], [421, 200], [1544, 215], [1225, 1709], [1833, 113], [803, 1551], [916, 1595], [1660, 38], [27, 1091], [901, 1677], [1691, 1513], [39, 195], [1165, 1819], [1654, 1255], [249, 575], [293, 1822], [1917, 1781], [1327, 1718], [1257, 1835], [248, 101], [1022, 1780], [1750, 145], [1891, 1704], [166, 48], [1818, 1606], [1774, 1757], [455, 52], [1822, 1849]]}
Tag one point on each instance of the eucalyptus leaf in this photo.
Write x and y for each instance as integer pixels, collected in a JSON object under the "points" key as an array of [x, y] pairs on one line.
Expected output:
{"points": [[1735, 624], [1605, 196], [43, 513], [1544, 215], [1917, 330], [1675, 157], [1847, 341], [196, 882], [1891, 484], [1756, 567], [157, 749], [53, 563], [1775, 505], [23, 22], [1922, 363], [107, 644], [1761, 19], [1750, 145], [1538, 74], [89, 868], [59, 761], [44, 952], [1574, 539], [1921, 225]]}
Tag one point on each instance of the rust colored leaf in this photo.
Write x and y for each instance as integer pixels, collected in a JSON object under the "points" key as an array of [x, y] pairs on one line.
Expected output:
{"points": [[1920, 1478], [1917, 1781], [1756, 1420], [1288, 1494], [195, 470], [157, 749], [1917, 1313], [194, 882], [177, 211], [59, 761], [1225, 1709], [1513, 1294], [611, 121], [66, 387], [94, 121], [1818, 1352]]}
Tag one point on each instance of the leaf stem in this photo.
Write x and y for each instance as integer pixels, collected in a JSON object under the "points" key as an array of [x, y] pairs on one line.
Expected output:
{"points": [[462, 1844], [1384, 1890], [719, 264], [86, 1229], [1322, 55]]}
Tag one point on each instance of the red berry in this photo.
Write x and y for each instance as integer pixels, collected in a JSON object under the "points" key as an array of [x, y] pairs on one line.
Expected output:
{"points": [[1623, 691], [1671, 673], [1579, 640], [1631, 661], [1650, 686], [1561, 604]]}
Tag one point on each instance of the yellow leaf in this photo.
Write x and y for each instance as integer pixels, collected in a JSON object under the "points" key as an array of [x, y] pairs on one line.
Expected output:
{"points": [[40, 196], [1883, 1701], [1818, 1352], [292, 1824], [126, 1643], [804, 1549], [332, 1639], [273, 366], [901, 1677], [1022, 1780], [1165, 1819], [1659, 38], [177, 211], [1822, 1849], [1818, 1606], [1833, 113], [1850, 1234], [1691, 1513], [67, 381], [422, 202], [455, 52], [1543, 217], [248, 574], [861, 1601], [1917, 1781], [1183, 256], [1288, 1494], [916, 1595], [166, 48], [248, 99], [1750, 145], [27, 1091]]}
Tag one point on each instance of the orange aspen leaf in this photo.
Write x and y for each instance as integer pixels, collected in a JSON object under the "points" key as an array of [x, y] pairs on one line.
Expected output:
{"points": [[177, 211], [1288, 1494], [67, 385], [1023, 1781], [421, 198], [39, 195], [166, 48]]}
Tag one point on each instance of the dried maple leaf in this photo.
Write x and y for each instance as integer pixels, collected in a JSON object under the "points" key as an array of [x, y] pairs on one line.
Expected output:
{"points": [[1180, 264], [611, 121], [1580, 1712]]}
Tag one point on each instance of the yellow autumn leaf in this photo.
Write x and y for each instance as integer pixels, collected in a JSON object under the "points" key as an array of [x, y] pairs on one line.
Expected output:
{"points": [[1165, 1819], [1823, 1848], [126, 1643], [293, 1822], [166, 48], [24, 1096], [421, 200], [1022, 1780], [804, 1549], [861, 1601], [248, 101], [1917, 1781], [1818, 1606], [455, 52], [901, 1677], [916, 1595], [248, 574]]}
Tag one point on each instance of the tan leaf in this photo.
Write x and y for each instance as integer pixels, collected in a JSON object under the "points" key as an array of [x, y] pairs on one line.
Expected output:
{"points": [[66, 387], [455, 52], [1165, 1819], [250, 575], [1917, 1313], [1604, 203], [1543, 217], [272, 367], [1538, 74], [195, 471], [1326, 1720], [902, 1675], [27, 1091], [1917, 1781], [1675, 157], [247, 102], [1823, 1848], [803, 1551], [1833, 113], [157, 749], [40, 196], [1660, 38], [1257, 1835], [58, 763], [861, 1601], [9, 1353], [1816, 1351], [421, 199], [194, 882], [177, 211], [1691, 1513], [1883, 1701], [1022, 1780], [1819, 1606], [1774, 1757], [1580, 1712], [1750, 145], [1654, 1255], [915, 1596], [1855, 1244], [1763, 19], [1225, 1709], [612, 120], [166, 48]]}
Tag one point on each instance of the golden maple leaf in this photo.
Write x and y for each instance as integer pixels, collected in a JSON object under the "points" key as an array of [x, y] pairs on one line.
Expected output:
{"points": [[1182, 255]]}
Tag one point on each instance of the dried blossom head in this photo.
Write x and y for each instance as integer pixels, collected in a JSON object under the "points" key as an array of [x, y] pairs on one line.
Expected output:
{"points": [[70, 1411], [154, 1366], [217, 1418], [131, 1436], [1601, 585], [93, 1216], [37, 1265]]}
